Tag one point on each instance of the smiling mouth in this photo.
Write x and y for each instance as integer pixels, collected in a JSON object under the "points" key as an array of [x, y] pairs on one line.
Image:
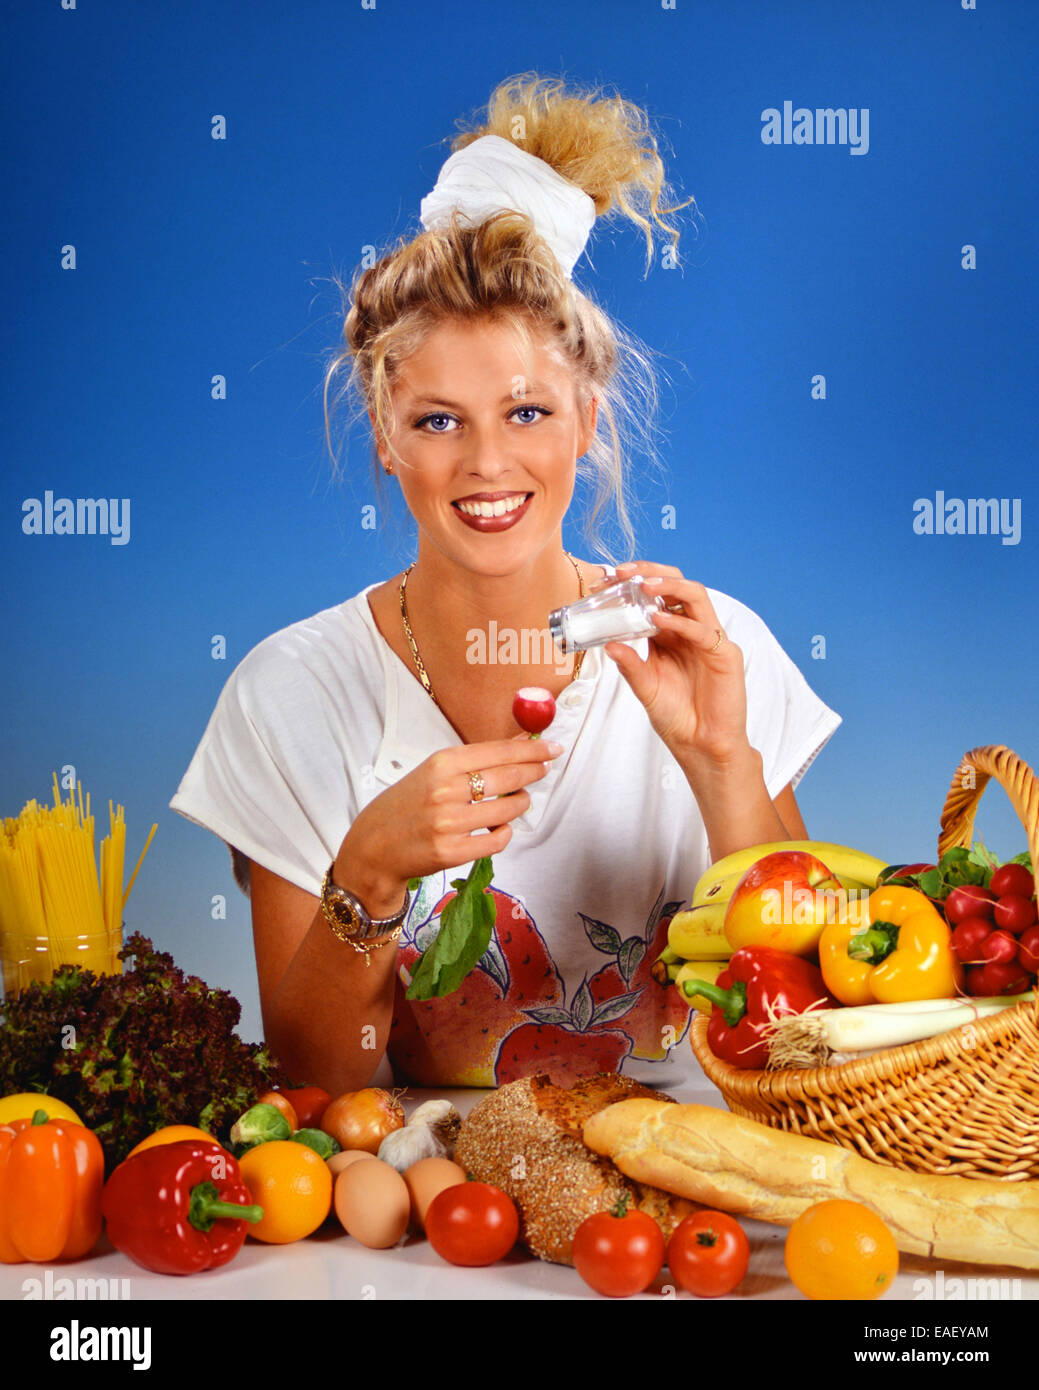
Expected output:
{"points": [[499, 506]]}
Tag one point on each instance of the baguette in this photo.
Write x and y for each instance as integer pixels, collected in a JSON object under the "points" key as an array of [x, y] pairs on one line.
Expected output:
{"points": [[526, 1139], [749, 1169]]}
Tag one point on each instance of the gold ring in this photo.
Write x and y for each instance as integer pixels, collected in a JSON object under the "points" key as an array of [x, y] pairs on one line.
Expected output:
{"points": [[476, 786], [721, 638], [675, 608]]}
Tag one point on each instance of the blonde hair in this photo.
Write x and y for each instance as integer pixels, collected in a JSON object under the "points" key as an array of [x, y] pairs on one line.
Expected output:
{"points": [[502, 271]]}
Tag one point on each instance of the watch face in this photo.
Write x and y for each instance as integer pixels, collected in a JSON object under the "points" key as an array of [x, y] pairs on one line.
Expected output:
{"points": [[348, 920], [342, 910]]}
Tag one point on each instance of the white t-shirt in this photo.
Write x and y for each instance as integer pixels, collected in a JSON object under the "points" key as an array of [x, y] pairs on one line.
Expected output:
{"points": [[322, 716]]}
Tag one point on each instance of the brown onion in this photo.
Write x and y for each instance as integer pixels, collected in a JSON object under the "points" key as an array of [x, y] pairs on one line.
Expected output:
{"points": [[362, 1119]]}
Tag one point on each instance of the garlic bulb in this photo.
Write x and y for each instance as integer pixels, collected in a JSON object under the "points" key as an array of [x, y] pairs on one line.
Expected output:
{"points": [[442, 1118], [406, 1146]]}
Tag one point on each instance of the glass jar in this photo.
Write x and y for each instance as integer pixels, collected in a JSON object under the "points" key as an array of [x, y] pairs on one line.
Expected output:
{"points": [[619, 612], [25, 960]]}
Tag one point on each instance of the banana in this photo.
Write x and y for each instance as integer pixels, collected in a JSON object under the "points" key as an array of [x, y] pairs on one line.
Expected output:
{"points": [[720, 880], [708, 970], [854, 885], [699, 933], [715, 887]]}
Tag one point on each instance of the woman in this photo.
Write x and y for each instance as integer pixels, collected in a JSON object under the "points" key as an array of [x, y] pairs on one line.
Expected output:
{"points": [[365, 747]]}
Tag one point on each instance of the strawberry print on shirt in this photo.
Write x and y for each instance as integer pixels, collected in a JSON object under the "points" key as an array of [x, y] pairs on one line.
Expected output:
{"points": [[513, 1015]]}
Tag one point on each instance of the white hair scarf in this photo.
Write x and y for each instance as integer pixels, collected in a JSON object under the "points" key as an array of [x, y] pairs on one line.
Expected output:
{"points": [[492, 174]]}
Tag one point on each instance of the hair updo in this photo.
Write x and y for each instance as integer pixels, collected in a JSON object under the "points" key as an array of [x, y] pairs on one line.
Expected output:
{"points": [[503, 272]]}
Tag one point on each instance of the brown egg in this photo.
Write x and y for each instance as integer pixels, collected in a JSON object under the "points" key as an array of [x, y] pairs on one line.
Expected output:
{"points": [[373, 1203], [344, 1158], [426, 1179]]}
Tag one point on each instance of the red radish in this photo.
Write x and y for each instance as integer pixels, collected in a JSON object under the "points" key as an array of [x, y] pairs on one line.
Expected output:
{"points": [[1012, 879], [1028, 950], [534, 709], [969, 901], [1014, 914], [997, 977], [967, 937], [999, 946]]}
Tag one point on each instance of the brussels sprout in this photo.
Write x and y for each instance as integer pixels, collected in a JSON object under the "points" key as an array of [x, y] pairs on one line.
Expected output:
{"points": [[260, 1125], [323, 1144]]}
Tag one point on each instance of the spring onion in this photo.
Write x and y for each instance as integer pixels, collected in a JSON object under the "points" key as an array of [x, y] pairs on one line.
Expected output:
{"points": [[822, 1037]]}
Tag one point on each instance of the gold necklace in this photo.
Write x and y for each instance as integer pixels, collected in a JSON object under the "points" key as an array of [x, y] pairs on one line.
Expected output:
{"points": [[423, 675]]}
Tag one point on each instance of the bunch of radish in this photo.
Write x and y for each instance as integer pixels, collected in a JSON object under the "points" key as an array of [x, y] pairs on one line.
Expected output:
{"points": [[995, 931]]}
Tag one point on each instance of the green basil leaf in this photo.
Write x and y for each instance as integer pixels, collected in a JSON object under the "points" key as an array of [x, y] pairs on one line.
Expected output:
{"points": [[466, 923]]}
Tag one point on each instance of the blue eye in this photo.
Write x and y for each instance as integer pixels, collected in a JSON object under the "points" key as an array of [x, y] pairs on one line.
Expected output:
{"points": [[443, 415], [440, 415]]}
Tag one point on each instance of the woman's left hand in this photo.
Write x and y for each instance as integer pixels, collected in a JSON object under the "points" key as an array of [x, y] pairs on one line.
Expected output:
{"points": [[692, 682]]}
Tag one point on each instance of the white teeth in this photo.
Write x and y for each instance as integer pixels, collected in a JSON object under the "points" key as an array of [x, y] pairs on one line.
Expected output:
{"points": [[499, 508]]}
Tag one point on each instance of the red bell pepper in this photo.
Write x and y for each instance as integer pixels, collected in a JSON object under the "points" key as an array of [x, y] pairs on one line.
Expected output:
{"points": [[178, 1208], [759, 985]]}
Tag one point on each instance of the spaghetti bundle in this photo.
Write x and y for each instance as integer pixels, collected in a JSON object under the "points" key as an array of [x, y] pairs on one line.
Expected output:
{"points": [[56, 906]]}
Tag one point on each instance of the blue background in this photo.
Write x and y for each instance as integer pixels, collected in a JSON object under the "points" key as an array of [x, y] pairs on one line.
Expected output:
{"points": [[197, 257]]}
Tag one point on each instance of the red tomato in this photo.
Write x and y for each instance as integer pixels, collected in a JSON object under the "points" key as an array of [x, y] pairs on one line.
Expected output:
{"points": [[618, 1253], [472, 1223], [708, 1253], [309, 1103]]}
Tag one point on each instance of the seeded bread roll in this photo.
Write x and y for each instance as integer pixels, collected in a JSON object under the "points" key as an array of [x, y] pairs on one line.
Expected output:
{"points": [[744, 1167], [526, 1139]]}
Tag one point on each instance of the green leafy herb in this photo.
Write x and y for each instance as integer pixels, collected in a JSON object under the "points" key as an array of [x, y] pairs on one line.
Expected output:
{"points": [[984, 858], [465, 933], [957, 868]]}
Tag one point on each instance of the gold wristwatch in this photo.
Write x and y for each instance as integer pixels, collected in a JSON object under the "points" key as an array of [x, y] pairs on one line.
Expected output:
{"points": [[347, 917]]}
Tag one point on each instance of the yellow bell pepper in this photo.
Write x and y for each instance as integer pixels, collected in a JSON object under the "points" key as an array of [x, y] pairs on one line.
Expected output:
{"points": [[901, 953]]}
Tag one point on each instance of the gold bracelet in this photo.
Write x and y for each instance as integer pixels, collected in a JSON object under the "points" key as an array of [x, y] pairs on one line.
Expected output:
{"points": [[367, 947]]}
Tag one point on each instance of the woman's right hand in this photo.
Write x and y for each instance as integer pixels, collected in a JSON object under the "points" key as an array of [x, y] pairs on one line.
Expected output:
{"points": [[425, 822]]}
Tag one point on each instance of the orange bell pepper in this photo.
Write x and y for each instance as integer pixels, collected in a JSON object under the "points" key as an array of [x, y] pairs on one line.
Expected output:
{"points": [[51, 1177], [900, 953]]}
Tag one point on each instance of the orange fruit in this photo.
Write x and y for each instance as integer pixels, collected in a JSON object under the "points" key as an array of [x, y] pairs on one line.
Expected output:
{"points": [[172, 1134], [25, 1104], [841, 1250], [293, 1184]]}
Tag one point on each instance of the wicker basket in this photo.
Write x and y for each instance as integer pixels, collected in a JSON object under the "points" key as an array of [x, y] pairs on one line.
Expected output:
{"points": [[966, 1102]]}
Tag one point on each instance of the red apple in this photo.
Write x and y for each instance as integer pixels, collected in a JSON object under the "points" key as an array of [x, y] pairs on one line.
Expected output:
{"points": [[784, 901]]}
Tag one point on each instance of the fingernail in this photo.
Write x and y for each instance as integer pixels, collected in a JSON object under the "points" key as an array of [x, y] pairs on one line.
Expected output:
{"points": [[554, 748], [658, 580]]}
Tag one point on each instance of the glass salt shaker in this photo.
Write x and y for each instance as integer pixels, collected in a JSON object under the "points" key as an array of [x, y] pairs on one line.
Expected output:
{"points": [[619, 612]]}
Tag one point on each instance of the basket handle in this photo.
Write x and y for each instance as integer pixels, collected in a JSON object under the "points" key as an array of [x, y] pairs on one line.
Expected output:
{"points": [[1015, 777]]}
